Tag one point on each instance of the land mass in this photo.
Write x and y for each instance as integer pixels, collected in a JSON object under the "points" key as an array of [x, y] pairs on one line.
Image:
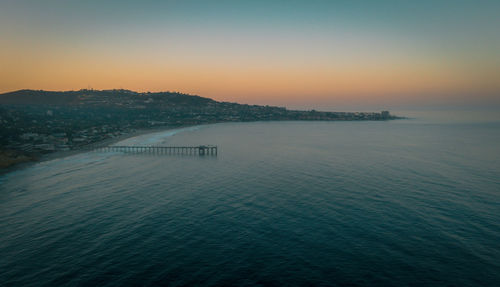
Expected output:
{"points": [[37, 122]]}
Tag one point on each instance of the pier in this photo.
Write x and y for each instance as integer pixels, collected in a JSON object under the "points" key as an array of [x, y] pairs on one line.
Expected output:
{"points": [[178, 150]]}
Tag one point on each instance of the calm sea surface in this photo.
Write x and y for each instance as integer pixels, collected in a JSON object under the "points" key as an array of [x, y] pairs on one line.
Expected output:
{"points": [[407, 202]]}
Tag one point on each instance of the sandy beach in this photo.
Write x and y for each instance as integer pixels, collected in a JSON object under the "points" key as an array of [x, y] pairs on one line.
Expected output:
{"points": [[103, 143]]}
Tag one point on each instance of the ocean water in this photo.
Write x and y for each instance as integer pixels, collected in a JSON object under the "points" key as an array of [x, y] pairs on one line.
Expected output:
{"points": [[400, 203]]}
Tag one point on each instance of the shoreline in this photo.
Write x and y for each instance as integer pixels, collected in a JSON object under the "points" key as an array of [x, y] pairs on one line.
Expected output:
{"points": [[106, 142]]}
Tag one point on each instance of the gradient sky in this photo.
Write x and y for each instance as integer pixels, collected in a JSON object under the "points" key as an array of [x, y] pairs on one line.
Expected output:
{"points": [[288, 53]]}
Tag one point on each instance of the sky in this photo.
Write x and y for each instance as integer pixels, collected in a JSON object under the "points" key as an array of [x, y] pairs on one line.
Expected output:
{"points": [[307, 54]]}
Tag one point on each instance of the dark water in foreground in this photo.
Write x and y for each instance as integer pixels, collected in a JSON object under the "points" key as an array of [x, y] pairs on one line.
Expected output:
{"points": [[407, 202]]}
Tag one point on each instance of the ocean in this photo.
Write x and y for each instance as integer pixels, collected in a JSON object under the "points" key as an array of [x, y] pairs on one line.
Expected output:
{"points": [[413, 202]]}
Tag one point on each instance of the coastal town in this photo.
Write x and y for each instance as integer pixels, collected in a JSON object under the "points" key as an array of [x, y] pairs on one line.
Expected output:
{"points": [[34, 123]]}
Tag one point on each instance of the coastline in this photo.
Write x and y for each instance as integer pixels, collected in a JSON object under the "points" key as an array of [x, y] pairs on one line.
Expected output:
{"points": [[106, 142], [82, 149]]}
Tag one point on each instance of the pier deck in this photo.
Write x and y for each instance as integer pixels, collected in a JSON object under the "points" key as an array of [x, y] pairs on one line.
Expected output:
{"points": [[186, 150]]}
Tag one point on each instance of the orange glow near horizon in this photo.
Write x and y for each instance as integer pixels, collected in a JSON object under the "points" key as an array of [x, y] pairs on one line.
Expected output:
{"points": [[244, 82]]}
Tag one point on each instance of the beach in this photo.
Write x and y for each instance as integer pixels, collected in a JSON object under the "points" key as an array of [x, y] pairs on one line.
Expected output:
{"points": [[14, 162]]}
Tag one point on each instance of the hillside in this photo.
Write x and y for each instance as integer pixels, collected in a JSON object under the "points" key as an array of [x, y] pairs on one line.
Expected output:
{"points": [[104, 98]]}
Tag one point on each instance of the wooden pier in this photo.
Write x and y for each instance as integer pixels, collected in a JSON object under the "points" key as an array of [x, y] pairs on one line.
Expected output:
{"points": [[167, 150]]}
